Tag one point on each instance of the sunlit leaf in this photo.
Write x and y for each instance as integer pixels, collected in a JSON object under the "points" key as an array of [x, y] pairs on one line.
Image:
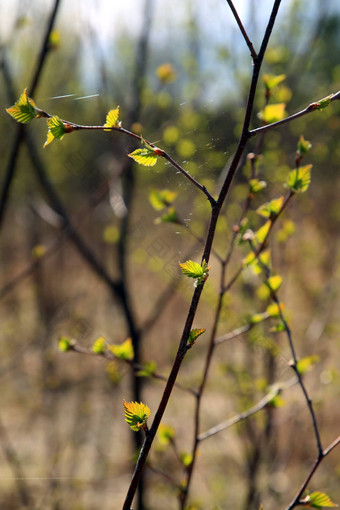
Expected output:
{"points": [[271, 81], [186, 458], [113, 372], [170, 216], [136, 415], [145, 156], [165, 434], [194, 334], [275, 310], [256, 318], [299, 179], [195, 270], [278, 328], [24, 110], [262, 233], [270, 209], [318, 500], [303, 146], [99, 346], [274, 283], [56, 129], [65, 343], [159, 199], [166, 73], [112, 119], [306, 364], [276, 401], [273, 113], [256, 185], [148, 370], [123, 351], [322, 103]]}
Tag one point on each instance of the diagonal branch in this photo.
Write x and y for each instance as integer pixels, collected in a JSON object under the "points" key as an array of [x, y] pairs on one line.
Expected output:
{"points": [[242, 29]]}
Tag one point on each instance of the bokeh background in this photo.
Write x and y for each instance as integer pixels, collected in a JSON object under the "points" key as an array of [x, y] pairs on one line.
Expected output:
{"points": [[180, 72]]}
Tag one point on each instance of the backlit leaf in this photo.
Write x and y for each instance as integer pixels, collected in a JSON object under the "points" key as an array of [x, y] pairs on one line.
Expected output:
{"points": [[261, 233], [123, 351], [274, 282], [194, 334], [306, 364], [274, 310], [136, 414], [24, 110], [299, 179], [170, 216], [303, 146], [273, 113], [318, 500], [99, 346], [149, 368], [56, 129], [271, 81], [159, 199], [165, 434], [112, 119], [323, 103], [195, 270], [145, 156], [270, 209], [65, 343], [256, 185]]}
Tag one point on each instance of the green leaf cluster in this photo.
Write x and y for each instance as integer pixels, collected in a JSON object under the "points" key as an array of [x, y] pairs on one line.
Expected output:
{"points": [[136, 415]]}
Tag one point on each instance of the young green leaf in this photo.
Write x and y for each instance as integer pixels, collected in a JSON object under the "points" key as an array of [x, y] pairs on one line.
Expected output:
{"points": [[271, 81], [322, 103], [270, 209], [165, 434], [186, 458], [99, 346], [194, 270], [273, 113], [24, 110], [56, 129], [159, 199], [274, 283], [274, 310], [299, 179], [146, 156], [256, 185], [303, 146], [148, 370], [169, 217], [318, 500], [65, 343], [276, 401], [112, 119], [136, 415], [256, 318], [193, 335], [123, 351], [262, 233], [306, 364]]}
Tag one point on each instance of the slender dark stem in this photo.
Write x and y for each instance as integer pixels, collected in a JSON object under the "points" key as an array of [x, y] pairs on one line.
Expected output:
{"points": [[296, 501], [242, 29], [309, 109], [19, 137], [216, 208]]}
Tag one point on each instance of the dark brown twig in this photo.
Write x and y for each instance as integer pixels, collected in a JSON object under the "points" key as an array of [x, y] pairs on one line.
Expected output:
{"points": [[242, 29]]}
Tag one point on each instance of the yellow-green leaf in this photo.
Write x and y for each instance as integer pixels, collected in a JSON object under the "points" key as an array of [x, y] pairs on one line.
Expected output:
{"points": [[56, 129], [159, 199], [323, 103], [318, 500], [299, 179], [276, 401], [24, 110], [270, 209], [273, 113], [65, 343], [123, 351], [194, 334], [195, 270], [261, 233], [274, 310], [112, 119], [306, 364], [271, 81], [165, 434], [145, 156], [186, 458], [149, 368], [274, 283], [136, 415], [256, 185], [170, 216], [99, 346], [303, 146]]}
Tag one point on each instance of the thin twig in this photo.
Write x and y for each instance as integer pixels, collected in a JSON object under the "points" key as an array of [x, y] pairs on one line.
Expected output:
{"points": [[242, 29], [276, 390], [309, 109]]}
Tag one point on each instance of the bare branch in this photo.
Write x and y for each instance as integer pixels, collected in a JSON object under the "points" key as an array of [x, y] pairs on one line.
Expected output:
{"points": [[242, 29]]}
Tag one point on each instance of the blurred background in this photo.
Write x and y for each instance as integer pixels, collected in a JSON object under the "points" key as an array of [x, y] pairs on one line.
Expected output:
{"points": [[85, 253]]}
